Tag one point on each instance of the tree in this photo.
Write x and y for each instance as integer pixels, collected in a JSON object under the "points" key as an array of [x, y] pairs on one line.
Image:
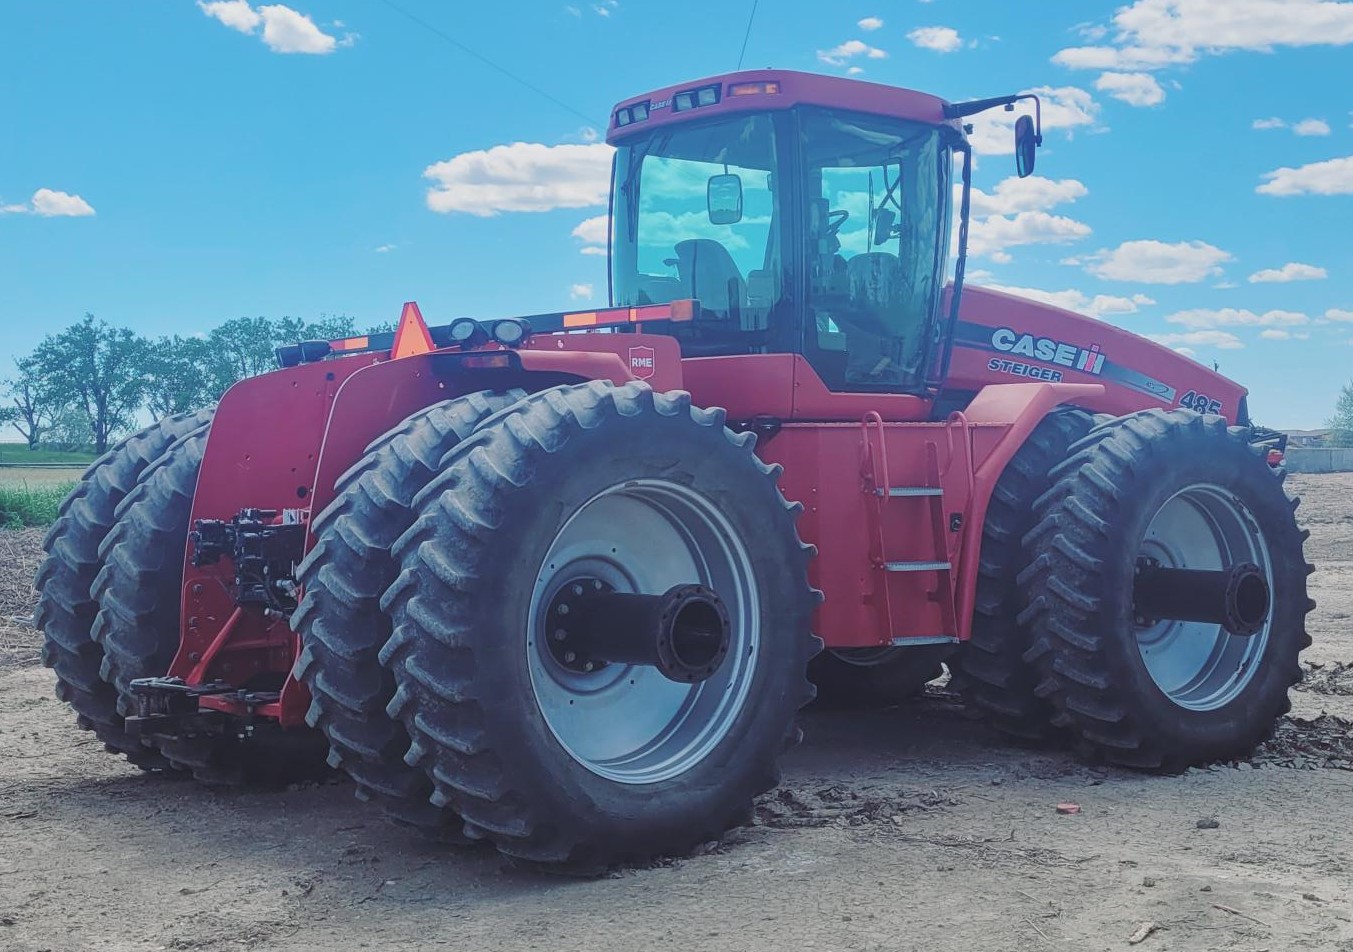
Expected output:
{"points": [[96, 369], [244, 347], [178, 377], [33, 407], [1341, 424], [69, 431]]}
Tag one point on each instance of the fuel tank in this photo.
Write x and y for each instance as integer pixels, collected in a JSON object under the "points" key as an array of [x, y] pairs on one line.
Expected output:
{"points": [[1001, 338]]}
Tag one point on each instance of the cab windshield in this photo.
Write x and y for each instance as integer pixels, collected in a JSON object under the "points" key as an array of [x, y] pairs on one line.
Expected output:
{"points": [[813, 230], [668, 245], [878, 236]]}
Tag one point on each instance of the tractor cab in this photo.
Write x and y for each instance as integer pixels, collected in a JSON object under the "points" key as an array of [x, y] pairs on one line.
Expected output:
{"points": [[806, 214]]}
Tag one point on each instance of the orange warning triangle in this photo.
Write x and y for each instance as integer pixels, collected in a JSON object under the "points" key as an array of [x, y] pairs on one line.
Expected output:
{"points": [[411, 337]]}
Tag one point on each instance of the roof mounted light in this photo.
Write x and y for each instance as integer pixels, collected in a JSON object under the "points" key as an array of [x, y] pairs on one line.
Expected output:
{"points": [[692, 98], [636, 113], [510, 332]]}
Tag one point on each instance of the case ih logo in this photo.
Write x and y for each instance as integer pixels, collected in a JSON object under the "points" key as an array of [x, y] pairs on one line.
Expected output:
{"points": [[642, 362], [1048, 350]]}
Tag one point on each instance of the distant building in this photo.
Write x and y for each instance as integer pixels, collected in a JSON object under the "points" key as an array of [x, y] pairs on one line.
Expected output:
{"points": [[1307, 437]]}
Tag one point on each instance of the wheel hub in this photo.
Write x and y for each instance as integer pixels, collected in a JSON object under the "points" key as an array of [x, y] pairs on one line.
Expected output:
{"points": [[684, 632], [562, 617]]}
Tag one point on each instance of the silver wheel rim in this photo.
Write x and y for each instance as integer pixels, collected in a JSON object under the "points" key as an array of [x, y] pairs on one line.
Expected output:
{"points": [[1198, 665], [628, 723]]}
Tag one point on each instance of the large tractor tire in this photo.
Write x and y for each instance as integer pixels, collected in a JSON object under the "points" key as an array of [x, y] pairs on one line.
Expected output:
{"points": [[66, 604], [990, 672], [139, 591], [1167, 591], [602, 627], [339, 618], [862, 678]]}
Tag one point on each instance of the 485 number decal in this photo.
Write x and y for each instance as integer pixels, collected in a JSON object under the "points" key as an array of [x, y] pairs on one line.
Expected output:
{"points": [[1199, 402]]}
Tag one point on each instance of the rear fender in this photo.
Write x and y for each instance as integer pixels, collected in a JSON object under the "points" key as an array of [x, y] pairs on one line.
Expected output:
{"points": [[377, 397], [1020, 407]]}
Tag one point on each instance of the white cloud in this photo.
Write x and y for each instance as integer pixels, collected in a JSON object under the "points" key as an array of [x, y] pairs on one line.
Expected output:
{"points": [[1222, 340], [521, 177], [385, 249], [284, 30], [1275, 334], [1331, 177], [1306, 127], [592, 233], [580, 291], [1135, 89], [1337, 316], [855, 71], [1118, 58], [941, 39], [1207, 319], [1292, 271], [838, 55], [287, 31], [236, 14], [49, 203], [870, 23], [1312, 127], [1101, 305], [1015, 213], [991, 236], [1157, 262], [1035, 193], [1064, 107], [1150, 34]]}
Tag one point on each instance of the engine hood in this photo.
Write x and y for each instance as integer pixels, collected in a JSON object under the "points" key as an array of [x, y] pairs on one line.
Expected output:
{"points": [[1002, 338]]}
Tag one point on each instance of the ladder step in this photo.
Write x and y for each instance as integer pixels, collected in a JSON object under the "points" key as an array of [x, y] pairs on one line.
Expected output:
{"points": [[916, 566], [910, 491]]}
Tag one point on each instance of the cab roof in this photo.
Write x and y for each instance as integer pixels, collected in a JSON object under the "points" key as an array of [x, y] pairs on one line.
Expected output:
{"points": [[759, 90]]}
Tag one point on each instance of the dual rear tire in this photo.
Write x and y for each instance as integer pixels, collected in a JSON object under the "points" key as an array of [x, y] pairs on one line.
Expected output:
{"points": [[1062, 647], [552, 761]]}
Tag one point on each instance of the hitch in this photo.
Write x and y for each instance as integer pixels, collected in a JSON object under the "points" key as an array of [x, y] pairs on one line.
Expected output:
{"points": [[170, 706], [264, 545]]}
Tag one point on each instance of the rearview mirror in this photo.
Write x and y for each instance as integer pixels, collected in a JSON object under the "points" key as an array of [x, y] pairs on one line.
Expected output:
{"points": [[723, 196], [884, 219], [1026, 145]]}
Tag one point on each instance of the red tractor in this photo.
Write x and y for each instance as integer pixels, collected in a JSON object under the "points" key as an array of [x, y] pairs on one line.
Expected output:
{"points": [[562, 582]]}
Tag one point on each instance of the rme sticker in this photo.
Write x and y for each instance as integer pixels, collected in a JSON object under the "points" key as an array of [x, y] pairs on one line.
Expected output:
{"points": [[1049, 351], [643, 362]]}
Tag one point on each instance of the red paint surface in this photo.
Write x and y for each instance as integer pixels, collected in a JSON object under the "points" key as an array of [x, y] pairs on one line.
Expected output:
{"points": [[282, 440]]}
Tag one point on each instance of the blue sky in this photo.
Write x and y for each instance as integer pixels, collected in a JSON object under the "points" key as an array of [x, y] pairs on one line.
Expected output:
{"points": [[169, 165]]}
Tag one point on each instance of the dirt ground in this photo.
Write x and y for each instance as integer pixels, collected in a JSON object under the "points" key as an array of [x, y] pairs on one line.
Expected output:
{"points": [[904, 829]]}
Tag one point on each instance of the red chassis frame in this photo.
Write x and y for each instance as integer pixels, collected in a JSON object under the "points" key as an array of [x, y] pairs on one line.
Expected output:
{"points": [[882, 485]]}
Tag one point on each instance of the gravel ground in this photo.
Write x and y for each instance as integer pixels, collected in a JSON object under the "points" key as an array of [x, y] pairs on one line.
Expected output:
{"points": [[909, 828]]}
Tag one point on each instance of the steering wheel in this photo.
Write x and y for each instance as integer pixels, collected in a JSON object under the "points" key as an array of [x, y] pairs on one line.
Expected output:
{"points": [[835, 220]]}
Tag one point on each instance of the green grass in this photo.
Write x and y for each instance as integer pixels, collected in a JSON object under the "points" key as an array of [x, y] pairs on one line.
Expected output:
{"points": [[26, 505], [18, 454]]}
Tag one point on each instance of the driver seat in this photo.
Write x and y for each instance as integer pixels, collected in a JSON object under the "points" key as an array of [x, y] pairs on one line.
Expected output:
{"points": [[709, 274]]}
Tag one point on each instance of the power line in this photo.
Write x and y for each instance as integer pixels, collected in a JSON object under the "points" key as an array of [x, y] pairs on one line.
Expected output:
{"points": [[747, 35], [489, 63]]}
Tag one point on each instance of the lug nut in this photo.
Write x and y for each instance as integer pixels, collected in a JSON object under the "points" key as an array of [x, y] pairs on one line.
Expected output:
{"points": [[570, 657], [560, 634]]}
